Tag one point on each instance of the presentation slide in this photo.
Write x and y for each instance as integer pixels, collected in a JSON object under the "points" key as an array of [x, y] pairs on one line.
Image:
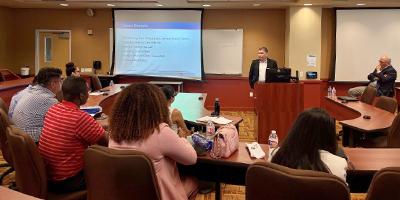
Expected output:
{"points": [[363, 36], [159, 43]]}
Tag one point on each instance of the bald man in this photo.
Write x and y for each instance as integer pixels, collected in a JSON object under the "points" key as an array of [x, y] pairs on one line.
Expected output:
{"points": [[382, 78]]}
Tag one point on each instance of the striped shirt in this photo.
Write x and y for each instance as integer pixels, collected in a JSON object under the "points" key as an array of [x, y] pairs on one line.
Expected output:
{"points": [[66, 134], [32, 108]]}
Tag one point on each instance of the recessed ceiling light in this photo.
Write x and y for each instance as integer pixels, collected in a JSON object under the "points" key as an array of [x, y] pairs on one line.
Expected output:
{"points": [[109, 4], [361, 4], [64, 4], [159, 5], [206, 5], [308, 4], [256, 4]]}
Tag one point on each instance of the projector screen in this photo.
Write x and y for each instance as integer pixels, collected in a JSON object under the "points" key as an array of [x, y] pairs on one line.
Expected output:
{"points": [[159, 43], [362, 37]]}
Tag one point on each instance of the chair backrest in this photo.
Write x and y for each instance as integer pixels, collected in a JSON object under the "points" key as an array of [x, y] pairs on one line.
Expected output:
{"points": [[3, 105], [385, 185], [59, 96], [368, 95], [30, 172], [4, 144], [393, 139], [129, 172], [386, 103], [96, 82], [268, 179]]}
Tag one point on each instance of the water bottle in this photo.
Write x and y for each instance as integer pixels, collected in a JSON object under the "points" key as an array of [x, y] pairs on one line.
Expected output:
{"points": [[333, 92], [216, 107], [329, 91], [202, 141], [111, 86], [210, 129], [273, 139]]}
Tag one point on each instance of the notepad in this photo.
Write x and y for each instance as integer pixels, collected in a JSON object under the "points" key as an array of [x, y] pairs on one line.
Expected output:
{"points": [[255, 150], [92, 110], [218, 120]]}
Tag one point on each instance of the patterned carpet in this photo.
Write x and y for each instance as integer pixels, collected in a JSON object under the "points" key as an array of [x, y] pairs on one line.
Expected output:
{"points": [[229, 192]]}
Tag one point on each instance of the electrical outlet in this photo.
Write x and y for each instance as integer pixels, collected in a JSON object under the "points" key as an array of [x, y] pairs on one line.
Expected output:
{"points": [[88, 70], [251, 94], [301, 74], [90, 32]]}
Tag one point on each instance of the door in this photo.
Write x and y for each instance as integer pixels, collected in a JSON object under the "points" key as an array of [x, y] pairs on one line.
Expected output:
{"points": [[54, 50]]}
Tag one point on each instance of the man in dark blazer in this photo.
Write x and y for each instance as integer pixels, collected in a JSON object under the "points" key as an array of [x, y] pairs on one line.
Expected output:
{"points": [[382, 78], [258, 68]]}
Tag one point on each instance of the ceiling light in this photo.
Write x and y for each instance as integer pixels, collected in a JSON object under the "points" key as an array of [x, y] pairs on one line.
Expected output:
{"points": [[256, 4], [64, 4], [206, 5], [159, 5], [308, 4], [109, 4], [361, 4]]}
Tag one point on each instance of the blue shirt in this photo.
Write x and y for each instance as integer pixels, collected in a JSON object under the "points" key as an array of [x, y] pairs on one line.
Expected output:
{"points": [[15, 99], [32, 108]]}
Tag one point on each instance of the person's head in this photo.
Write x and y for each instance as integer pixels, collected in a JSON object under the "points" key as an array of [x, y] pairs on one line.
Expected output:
{"points": [[75, 89], [138, 110], [313, 130], [169, 92], [385, 61], [263, 54], [72, 70], [50, 78]]}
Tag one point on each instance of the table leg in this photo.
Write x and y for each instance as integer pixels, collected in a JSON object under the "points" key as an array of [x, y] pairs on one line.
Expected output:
{"points": [[218, 190]]}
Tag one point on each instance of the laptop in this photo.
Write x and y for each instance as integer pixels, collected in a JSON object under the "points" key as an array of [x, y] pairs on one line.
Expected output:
{"points": [[278, 75], [347, 98]]}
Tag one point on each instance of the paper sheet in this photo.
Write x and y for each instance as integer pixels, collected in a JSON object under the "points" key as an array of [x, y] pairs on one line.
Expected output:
{"points": [[218, 120]]}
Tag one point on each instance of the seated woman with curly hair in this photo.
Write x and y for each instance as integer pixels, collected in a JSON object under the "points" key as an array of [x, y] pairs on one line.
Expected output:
{"points": [[140, 121], [311, 145]]}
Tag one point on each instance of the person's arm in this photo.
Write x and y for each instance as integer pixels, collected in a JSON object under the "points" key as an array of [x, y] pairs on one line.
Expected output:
{"points": [[90, 131], [176, 148], [251, 75], [177, 118], [387, 76], [274, 64], [371, 76]]}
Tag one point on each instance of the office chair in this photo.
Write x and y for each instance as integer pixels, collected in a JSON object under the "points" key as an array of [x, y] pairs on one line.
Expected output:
{"points": [[386, 103], [30, 172], [282, 183], [4, 145], [2, 78], [96, 84], [3, 106], [368, 95], [385, 185], [129, 172]]}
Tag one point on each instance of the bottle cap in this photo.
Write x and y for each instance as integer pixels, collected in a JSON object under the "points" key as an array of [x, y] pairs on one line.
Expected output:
{"points": [[216, 99], [273, 131]]}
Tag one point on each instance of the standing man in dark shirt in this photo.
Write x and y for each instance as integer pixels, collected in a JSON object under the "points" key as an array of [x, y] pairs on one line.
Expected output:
{"points": [[258, 68]]}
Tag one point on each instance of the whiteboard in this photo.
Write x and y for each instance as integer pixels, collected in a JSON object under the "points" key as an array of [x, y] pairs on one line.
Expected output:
{"points": [[223, 51]]}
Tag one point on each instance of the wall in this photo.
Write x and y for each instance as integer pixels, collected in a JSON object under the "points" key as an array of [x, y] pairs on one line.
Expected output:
{"points": [[85, 48], [327, 42], [305, 38], [6, 37]]}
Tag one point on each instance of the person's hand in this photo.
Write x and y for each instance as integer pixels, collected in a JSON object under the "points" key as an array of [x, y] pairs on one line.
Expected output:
{"points": [[376, 79], [181, 133], [378, 68]]}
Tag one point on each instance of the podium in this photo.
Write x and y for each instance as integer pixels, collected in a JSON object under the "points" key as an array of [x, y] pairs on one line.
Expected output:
{"points": [[276, 106]]}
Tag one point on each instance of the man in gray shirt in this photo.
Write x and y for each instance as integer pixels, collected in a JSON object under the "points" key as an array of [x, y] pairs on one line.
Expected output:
{"points": [[32, 108]]}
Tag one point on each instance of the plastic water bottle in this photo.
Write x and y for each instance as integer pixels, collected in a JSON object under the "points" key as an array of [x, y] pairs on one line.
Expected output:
{"points": [[329, 91], [216, 107], [202, 141], [111, 86], [210, 129], [273, 139], [333, 92]]}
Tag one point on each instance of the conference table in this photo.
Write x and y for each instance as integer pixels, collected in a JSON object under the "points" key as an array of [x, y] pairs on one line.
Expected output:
{"points": [[233, 170], [191, 106], [9, 88], [351, 116], [8, 194]]}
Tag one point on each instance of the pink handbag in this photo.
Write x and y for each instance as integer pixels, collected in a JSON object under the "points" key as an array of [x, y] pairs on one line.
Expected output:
{"points": [[226, 141]]}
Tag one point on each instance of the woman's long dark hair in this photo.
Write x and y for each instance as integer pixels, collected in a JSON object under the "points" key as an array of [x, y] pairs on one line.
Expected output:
{"points": [[312, 131]]}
